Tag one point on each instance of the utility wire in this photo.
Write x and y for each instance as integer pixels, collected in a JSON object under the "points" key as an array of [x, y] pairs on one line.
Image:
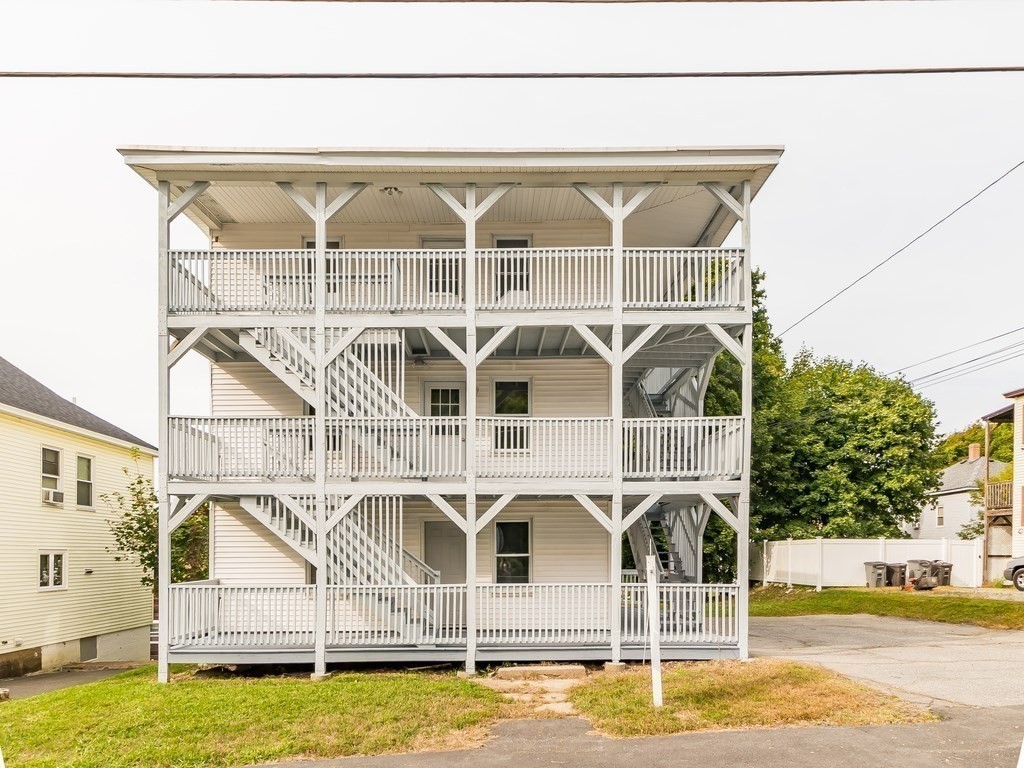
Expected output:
{"points": [[893, 255], [712, 74], [954, 351], [993, 353], [976, 368]]}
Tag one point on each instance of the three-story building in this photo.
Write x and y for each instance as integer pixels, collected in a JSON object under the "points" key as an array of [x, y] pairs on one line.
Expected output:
{"points": [[447, 385]]}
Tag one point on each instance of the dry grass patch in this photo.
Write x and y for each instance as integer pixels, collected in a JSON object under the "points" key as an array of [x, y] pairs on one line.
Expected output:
{"points": [[219, 722], [764, 693]]}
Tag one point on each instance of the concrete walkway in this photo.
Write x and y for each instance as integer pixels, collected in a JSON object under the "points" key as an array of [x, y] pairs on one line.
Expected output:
{"points": [[33, 685], [924, 660]]}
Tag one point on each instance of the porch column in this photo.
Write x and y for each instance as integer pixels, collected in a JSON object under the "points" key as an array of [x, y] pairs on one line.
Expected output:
{"points": [[163, 410], [320, 429], [471, 345], [747, 400], [616, 409]]}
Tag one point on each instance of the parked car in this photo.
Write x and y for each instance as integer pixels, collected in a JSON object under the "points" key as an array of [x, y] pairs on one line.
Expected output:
{"points": [[1015, 572]]}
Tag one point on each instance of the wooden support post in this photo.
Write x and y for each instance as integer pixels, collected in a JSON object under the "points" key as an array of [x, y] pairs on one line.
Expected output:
{"points": [[471, 364], [747, 401], [163, 411], [616, 410], [320, 428], [654, 628]]}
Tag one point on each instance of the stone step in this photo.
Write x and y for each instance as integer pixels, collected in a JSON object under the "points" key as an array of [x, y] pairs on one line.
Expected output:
{"points": [[542, 672]]}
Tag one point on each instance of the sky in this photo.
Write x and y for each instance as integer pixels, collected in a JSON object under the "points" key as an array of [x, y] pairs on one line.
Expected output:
{"points": [[869, 162]]}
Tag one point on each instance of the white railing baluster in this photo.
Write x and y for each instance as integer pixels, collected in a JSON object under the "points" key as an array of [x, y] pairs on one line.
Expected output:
{"points": [[699, 446]]}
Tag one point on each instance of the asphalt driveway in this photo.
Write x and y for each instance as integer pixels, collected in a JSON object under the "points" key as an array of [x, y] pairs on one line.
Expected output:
{"points": [[924, 660]]}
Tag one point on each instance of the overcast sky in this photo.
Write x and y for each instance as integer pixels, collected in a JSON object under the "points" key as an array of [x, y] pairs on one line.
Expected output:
{"points": [[869, 163]]}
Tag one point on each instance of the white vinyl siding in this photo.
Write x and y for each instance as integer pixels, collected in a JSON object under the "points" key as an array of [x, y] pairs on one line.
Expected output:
{"points": [[244, 551], [249, 389], [111, 598]]}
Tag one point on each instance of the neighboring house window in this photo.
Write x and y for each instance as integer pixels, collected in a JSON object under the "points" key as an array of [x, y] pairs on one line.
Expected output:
{"points": [[512, 398], [51, 570], [512, 552], [940, 517], [84, 481], [51, 469]]}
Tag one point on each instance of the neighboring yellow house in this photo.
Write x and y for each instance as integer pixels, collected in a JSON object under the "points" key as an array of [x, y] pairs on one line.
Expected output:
{"points": [[64, 596]]}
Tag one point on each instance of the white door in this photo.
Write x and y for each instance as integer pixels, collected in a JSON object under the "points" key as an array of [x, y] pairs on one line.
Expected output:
{"points": [[444, 272], [512, 286], [444, 550], [445, 450]]}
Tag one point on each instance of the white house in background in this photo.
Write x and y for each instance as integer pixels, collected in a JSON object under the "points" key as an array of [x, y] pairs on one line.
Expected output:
{"points": [[445, 385], [1017, 485], [950, 506], [63, 595]]}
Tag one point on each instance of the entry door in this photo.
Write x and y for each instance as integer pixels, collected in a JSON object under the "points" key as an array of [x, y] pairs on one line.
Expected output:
{"points": [[446, 445], [444, 550]]}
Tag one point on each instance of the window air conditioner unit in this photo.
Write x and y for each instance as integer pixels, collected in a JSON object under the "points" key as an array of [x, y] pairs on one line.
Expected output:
{"points": [[53, 496]]}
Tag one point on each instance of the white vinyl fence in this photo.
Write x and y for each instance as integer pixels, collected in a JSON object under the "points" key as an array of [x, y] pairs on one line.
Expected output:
{"points": [[840, 562]]}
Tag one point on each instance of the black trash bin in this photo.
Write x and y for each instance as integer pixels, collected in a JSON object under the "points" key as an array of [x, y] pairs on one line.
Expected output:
{"points": [[896, 575], [942, 571], [918, 568], [874, 573]]}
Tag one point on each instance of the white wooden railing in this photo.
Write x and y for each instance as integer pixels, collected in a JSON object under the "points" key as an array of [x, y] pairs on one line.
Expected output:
{"points": [[389, 280], [543, 447], [417, 280], [683, 278], [217, 616], [421, 614], [544, 278], [700, 446], [690, 614], [404, 446], [202, 448], [418, 570], [210, 615], [543, 614]]}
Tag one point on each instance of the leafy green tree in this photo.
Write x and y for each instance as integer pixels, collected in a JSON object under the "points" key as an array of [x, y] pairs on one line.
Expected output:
{"points": [[953, 447], [135, 532]]}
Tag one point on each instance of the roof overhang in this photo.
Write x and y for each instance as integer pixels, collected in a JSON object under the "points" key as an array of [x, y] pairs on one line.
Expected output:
{"points": [[677, 169], [144, 448], [1005, 414]]}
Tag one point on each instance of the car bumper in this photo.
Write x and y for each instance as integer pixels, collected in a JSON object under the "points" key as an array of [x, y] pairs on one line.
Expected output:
{"points": [[1008, 574]]}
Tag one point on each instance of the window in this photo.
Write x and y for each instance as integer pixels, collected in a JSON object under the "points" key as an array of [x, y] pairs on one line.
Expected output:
{"points": [[940, 517], [444, 271], [84, 481], [309, 244], [51, 570], [51, 469], [512, 552], [511, 272], [445, 402], [512, 398]]}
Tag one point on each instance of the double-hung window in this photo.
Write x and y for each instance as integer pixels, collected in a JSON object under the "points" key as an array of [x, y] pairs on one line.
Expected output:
{"points": [[51, 474], [84, 488], [51, 570], [511, 399], [940, 517], [512, 552]]}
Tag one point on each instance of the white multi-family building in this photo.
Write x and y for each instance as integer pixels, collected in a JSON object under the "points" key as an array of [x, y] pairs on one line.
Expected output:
{"points": [[66, 593], [446, 386]]}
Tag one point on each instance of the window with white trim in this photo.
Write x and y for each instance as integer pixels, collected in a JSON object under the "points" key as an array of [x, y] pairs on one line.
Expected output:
{"points": [[940, 517], [51, 570], [51, 469], [512, 552], [512, 398], [84, 487]]}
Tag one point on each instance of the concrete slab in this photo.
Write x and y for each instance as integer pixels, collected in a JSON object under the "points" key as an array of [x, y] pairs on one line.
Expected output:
{"points": [[949, 663], [33, 685]]}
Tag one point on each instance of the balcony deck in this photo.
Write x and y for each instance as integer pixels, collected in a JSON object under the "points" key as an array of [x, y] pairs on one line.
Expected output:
{"points": [[281, 448], [214, 621], [416, 281]]}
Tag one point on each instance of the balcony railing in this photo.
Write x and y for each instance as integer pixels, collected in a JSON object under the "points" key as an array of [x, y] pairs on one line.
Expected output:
{"points": [[271, 448], [999, 495], [212, 616], [282, 281]]}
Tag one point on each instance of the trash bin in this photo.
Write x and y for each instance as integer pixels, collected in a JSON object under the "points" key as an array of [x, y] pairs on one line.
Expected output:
{"points": [[874, 573], [942, 571], [896, 575], [918, 568]]}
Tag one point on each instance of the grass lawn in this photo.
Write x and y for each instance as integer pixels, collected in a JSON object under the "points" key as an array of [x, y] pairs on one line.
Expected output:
{"points": [[130, 720], [934, 606], [764, 693]]}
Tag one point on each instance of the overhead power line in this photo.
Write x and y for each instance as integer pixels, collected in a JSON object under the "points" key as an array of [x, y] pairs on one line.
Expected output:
{"points": [[979, 358], [707, 74], [954, 351], [893, 255], [974, 369]]}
